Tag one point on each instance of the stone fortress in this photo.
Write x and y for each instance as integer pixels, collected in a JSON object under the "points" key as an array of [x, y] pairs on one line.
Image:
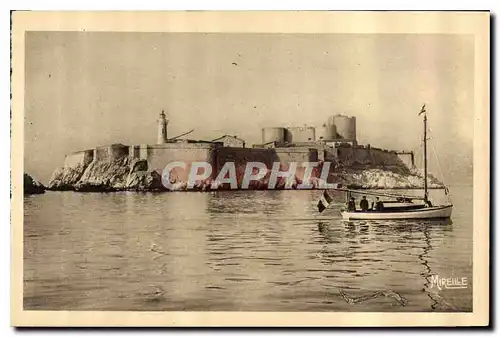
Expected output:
{"points": [[335, 141]]}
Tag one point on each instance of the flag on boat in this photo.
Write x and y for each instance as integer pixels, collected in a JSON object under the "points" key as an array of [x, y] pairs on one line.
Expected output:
{"points": [[423, 110], [325, 201]]}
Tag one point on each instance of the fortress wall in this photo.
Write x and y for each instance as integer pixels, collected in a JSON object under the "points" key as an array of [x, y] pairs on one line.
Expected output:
{"points": [[109, 152], [79, 158], [349, 156], [159, 156], [143, 152], [134, 151], [330, 154], [407, 159], [298, 155], [88, 157], [240, 156], [387, 159], [117, 151], [101, 153], [267, 156]]}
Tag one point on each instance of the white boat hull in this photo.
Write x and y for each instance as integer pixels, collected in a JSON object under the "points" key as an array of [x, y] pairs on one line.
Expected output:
{"points": [[435, 212]]}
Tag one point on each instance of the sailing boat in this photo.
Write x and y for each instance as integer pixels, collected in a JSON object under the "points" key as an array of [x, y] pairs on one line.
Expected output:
{"points": [[401, 206]]}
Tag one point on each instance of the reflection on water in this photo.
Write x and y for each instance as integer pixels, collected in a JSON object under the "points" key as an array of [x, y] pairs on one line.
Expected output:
{"points": [[253, 251]]}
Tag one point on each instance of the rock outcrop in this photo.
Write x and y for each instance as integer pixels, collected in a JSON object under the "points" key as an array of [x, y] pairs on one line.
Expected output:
{"points": [[66, 177], [124, 173], [31, 186], [384, 179], [106, 176]]}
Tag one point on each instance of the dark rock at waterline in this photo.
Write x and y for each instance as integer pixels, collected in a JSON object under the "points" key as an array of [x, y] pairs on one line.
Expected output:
{"points": [[120, 174], [126, 174], [32, 186], [65, 178]]}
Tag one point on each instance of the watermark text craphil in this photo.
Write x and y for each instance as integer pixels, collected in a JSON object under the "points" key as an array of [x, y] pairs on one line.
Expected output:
{"points": [[292, 175], [448, 282]]}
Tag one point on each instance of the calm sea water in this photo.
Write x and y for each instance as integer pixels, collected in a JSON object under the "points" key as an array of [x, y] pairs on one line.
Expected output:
{"points": [[248, 251]]}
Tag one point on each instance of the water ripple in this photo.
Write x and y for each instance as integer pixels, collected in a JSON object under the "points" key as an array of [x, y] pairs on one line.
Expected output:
{"points": [[255, 250]]}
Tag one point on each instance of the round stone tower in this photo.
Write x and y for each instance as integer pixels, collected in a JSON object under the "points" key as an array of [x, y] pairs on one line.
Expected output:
{"points": [[346, 127], [162, 129]]}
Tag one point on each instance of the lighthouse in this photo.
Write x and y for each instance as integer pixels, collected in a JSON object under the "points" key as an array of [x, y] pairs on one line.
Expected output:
{"points": [[162, 128]]}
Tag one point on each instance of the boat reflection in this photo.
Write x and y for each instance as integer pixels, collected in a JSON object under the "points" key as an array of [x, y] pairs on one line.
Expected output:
{"points": [[402, 248]]}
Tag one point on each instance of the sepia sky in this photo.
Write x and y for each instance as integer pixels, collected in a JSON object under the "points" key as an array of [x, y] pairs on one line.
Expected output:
{"points": [[89, 89]]}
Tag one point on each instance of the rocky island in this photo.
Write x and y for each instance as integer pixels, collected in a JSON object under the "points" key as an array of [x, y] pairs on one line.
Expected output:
{"points": [[119, 167], [126, 175], [31, 186]]}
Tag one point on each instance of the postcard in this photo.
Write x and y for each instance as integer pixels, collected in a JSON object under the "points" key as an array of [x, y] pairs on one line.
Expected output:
{"points": [[250, 168]]}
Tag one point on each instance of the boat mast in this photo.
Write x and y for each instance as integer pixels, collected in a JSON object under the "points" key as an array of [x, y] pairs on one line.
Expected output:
{"points": [[425, 153]]}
